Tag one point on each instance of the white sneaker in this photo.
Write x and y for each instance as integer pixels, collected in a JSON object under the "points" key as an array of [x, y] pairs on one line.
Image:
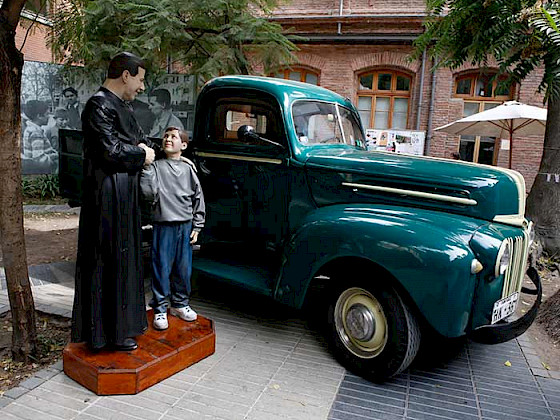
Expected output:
{"points": [[186, 313], [160, 321]]}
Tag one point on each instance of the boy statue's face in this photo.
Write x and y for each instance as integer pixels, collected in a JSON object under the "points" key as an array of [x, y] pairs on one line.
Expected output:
{"points": [[172, 144]]}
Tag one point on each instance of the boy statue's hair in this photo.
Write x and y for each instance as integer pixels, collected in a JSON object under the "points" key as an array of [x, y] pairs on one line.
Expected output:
{"points": [[182, 133]]}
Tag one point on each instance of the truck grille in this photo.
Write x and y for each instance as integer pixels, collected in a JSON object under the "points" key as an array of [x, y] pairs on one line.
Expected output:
{"points": [[517, 265]]}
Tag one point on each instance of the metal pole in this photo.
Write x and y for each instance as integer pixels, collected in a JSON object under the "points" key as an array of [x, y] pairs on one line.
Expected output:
{"points": [[340, 14], [431, 109], [421, 95], [510, 143]]}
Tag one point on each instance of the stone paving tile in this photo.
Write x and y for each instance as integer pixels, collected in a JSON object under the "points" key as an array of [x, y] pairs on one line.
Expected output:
{"points": [[289, 405], [465, 400], [129, 407], [16, 392], [436, 410], [194, 408], [493, 397], [46, 373], [28, 413], [445, 404], [31, 383], [263, 415], [346, 414], [282, 380], [529, 390], [207, 403], [489, 391], [84, 416], [422, 382], [61, 399], [104, 413], [514, 408], [364, 408], [276, 368], [63, 385], [389, 397], [142, 402], [47, 406]]}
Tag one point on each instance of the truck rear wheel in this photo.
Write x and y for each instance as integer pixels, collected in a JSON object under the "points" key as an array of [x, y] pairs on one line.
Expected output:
{"points": [[373, 332]]}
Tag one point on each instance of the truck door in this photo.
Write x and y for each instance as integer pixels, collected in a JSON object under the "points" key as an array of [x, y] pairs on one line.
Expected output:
{"points": [[245, 181]]}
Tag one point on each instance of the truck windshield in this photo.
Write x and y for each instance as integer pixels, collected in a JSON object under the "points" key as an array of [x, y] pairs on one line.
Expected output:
{"points": [[326, 123]]}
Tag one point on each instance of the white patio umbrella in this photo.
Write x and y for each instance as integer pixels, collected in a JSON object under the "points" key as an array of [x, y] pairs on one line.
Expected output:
{"points": [[501, 122]]}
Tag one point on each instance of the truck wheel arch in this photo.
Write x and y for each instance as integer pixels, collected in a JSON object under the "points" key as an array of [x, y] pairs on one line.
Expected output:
{"points": [[325, 276], [387, 337]]}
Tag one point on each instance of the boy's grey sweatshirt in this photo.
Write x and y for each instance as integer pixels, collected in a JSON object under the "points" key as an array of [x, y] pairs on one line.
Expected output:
{"points": [[174, 191]]}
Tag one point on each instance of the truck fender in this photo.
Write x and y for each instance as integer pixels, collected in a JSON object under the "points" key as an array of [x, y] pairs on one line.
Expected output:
{"points": [[425, 251]]}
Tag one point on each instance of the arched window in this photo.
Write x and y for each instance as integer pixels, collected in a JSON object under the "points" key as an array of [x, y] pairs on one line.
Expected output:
{"points": [[480, 92], [384, 98], [299, 74]]}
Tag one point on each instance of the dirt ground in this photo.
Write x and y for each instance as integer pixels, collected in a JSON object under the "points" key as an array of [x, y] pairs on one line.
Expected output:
{"points": [[50, 237], [53, 332], [53, 237], [548, 346]]}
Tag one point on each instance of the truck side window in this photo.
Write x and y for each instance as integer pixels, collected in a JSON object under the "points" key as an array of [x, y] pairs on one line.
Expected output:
{"points": [[229, 116]]}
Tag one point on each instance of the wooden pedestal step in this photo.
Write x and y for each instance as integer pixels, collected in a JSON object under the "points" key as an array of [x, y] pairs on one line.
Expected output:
{"points": [[159, 355]]}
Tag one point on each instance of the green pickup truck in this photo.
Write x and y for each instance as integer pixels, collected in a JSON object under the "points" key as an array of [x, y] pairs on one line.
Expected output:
{"points": [[387, 246]]}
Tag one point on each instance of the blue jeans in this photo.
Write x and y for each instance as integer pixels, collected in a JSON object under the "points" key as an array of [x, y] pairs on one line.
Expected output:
{"points": [[172, 265]]}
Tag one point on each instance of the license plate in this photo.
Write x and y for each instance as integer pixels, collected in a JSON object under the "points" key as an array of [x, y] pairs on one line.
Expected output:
{"points": [[504, 307]]}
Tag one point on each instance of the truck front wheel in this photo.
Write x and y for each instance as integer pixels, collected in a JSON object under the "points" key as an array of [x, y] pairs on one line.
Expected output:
{"points": [[372, 331]]}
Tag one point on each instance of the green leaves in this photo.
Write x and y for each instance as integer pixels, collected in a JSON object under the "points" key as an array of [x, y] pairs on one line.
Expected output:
{"points": [[520, 35], [208, 38]]}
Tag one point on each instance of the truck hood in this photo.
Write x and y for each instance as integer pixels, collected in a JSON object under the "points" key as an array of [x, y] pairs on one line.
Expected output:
{"points": [[344, 175]]}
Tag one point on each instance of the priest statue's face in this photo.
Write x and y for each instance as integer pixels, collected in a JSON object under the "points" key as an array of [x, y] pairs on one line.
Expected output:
{"points": [[133, 84]]}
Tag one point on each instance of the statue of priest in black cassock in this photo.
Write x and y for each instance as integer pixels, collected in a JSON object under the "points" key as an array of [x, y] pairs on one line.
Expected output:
{"points": [[109, 307]]}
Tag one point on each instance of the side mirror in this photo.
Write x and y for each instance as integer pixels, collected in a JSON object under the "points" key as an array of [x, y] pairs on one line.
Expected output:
{"points": [[246, 133]]}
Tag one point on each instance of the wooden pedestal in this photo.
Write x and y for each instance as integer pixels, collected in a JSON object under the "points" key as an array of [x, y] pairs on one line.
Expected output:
{"points": [[159, 355]]}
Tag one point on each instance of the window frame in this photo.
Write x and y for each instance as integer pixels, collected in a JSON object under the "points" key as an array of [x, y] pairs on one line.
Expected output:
{"points": [[477, 139], [392, 94], [474, 76], [227, 140], [477, 76], [303, 72]]}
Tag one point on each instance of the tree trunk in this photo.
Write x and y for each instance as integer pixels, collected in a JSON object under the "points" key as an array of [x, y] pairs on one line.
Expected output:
{"points": [[543, 201], [549, 316], [12, 244]]}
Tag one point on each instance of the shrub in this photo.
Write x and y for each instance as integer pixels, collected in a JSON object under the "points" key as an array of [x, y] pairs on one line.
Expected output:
{"points": [[42, 187]]}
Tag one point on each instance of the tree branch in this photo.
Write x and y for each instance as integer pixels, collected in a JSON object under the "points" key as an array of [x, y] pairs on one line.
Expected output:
{"points": [[43, 4]]}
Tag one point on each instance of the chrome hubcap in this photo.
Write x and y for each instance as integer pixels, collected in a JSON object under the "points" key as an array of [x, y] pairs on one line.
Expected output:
{"points": [[361, 323]]}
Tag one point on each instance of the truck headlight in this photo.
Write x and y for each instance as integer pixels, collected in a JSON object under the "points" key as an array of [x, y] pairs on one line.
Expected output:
{"points": [[503, 259]]}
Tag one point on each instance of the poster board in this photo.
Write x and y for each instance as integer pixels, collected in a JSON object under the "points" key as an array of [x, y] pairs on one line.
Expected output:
{"points": [[398, 141], [53, 98]]}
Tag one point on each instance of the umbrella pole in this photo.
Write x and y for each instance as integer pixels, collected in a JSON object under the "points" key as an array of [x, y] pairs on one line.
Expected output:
{"points": [[510, 146]]}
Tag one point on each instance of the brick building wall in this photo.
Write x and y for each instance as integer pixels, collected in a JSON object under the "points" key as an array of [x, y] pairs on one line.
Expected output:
{"points": [[377, 34], [369, 35], [35, 47]]}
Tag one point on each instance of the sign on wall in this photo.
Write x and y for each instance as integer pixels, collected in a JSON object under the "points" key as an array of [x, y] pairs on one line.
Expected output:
{"points": [[398, 141], [53, 97]]}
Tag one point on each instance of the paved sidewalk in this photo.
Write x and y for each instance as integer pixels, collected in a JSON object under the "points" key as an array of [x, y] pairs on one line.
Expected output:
{"points": [[50, 208], [269, 364]]}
